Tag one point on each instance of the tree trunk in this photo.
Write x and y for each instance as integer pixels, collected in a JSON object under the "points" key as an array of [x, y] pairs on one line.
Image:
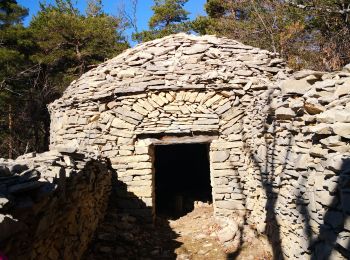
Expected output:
{"points": [[10, 142], [46, 122]]}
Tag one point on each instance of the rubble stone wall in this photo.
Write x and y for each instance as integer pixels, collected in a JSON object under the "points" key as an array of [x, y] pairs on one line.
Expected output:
{"points": [[179, 86], [279, 143], [50, 204], [298, 163]]}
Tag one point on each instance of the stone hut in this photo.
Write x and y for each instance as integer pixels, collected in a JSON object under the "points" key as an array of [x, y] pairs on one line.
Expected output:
{"points": [[277, 143], [181, 89], [269, 148]]}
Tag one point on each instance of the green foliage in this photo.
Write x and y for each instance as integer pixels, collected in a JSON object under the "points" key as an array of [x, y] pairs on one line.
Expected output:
{"points": [[14, 50], [331, 19], [169, 17], [70, 43], [11, 13], [37, 63], [309, 34]]}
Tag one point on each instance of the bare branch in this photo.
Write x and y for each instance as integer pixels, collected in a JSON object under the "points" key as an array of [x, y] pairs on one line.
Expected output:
{"points": [[344, 10], [129, 15], [267, 29]]}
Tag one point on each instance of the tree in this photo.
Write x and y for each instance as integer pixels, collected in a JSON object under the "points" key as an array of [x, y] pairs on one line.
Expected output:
{"points": [[94, 8], [304, 32], [15, 47], [11, 13], [169, 16], [258, 23], [331, 19], [70, 43], [37, 64]]}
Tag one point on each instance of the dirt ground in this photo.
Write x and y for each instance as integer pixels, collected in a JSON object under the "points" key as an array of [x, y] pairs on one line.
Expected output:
{"points": [[191, 237]]}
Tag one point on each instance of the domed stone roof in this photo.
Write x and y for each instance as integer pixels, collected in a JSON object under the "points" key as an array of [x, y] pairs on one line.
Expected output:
{"points": [[175, 62]]}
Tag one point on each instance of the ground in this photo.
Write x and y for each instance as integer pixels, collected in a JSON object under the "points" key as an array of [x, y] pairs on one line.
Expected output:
{"points": [[191, 237]]}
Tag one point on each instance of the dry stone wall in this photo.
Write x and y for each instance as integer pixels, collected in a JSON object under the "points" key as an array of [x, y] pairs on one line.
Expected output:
{"points": [[299, 162], [279, 142], [50, 204], [181, 85]]}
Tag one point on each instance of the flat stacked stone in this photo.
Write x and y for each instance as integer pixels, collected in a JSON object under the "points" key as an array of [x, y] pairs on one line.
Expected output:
{"points": [[298, 136], [51, 203], [279, 142]]}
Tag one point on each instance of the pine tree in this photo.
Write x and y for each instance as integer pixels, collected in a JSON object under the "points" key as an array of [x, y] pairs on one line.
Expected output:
{"points": [[37, 63], [14, 50], [70, 43], [169, 16], [11, 13]]}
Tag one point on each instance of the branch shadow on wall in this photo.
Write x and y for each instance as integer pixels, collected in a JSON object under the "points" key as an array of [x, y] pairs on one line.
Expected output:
{"points": [[264, 161], [122, 236], [333, 234], [333, 237]]}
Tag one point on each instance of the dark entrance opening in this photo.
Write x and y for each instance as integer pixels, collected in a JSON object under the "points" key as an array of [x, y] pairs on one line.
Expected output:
{"points": [[182, 176]]}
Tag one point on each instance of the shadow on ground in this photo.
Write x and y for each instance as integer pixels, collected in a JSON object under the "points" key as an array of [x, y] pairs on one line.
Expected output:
{"points": [[122, 236]]}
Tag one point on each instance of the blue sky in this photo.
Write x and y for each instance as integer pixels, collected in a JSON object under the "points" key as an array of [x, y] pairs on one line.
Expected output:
{"points": [[144, 12]]}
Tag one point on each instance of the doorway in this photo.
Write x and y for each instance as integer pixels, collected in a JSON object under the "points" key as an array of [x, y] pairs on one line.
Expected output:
{"points": [[182, 177]]}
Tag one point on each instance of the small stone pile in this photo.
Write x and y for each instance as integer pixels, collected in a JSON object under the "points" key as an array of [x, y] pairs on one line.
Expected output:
{"points": [[50, 204]]}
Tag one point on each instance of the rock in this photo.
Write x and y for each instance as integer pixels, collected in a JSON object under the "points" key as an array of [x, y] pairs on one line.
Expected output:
{"points": [[219, 156], [342, 129], [337, 162], [313, 107], [324, 84], [327, 116], [342, 90], [332, 141], [342, 116], [226, 234], [346, 68], [285, 113], [230, 204], [128, 73], [4, 171], [298, 87], [317, 151], [245, 73], [196, 48], [322, 129], [3, 201], [66, 149], [305, 73]]}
